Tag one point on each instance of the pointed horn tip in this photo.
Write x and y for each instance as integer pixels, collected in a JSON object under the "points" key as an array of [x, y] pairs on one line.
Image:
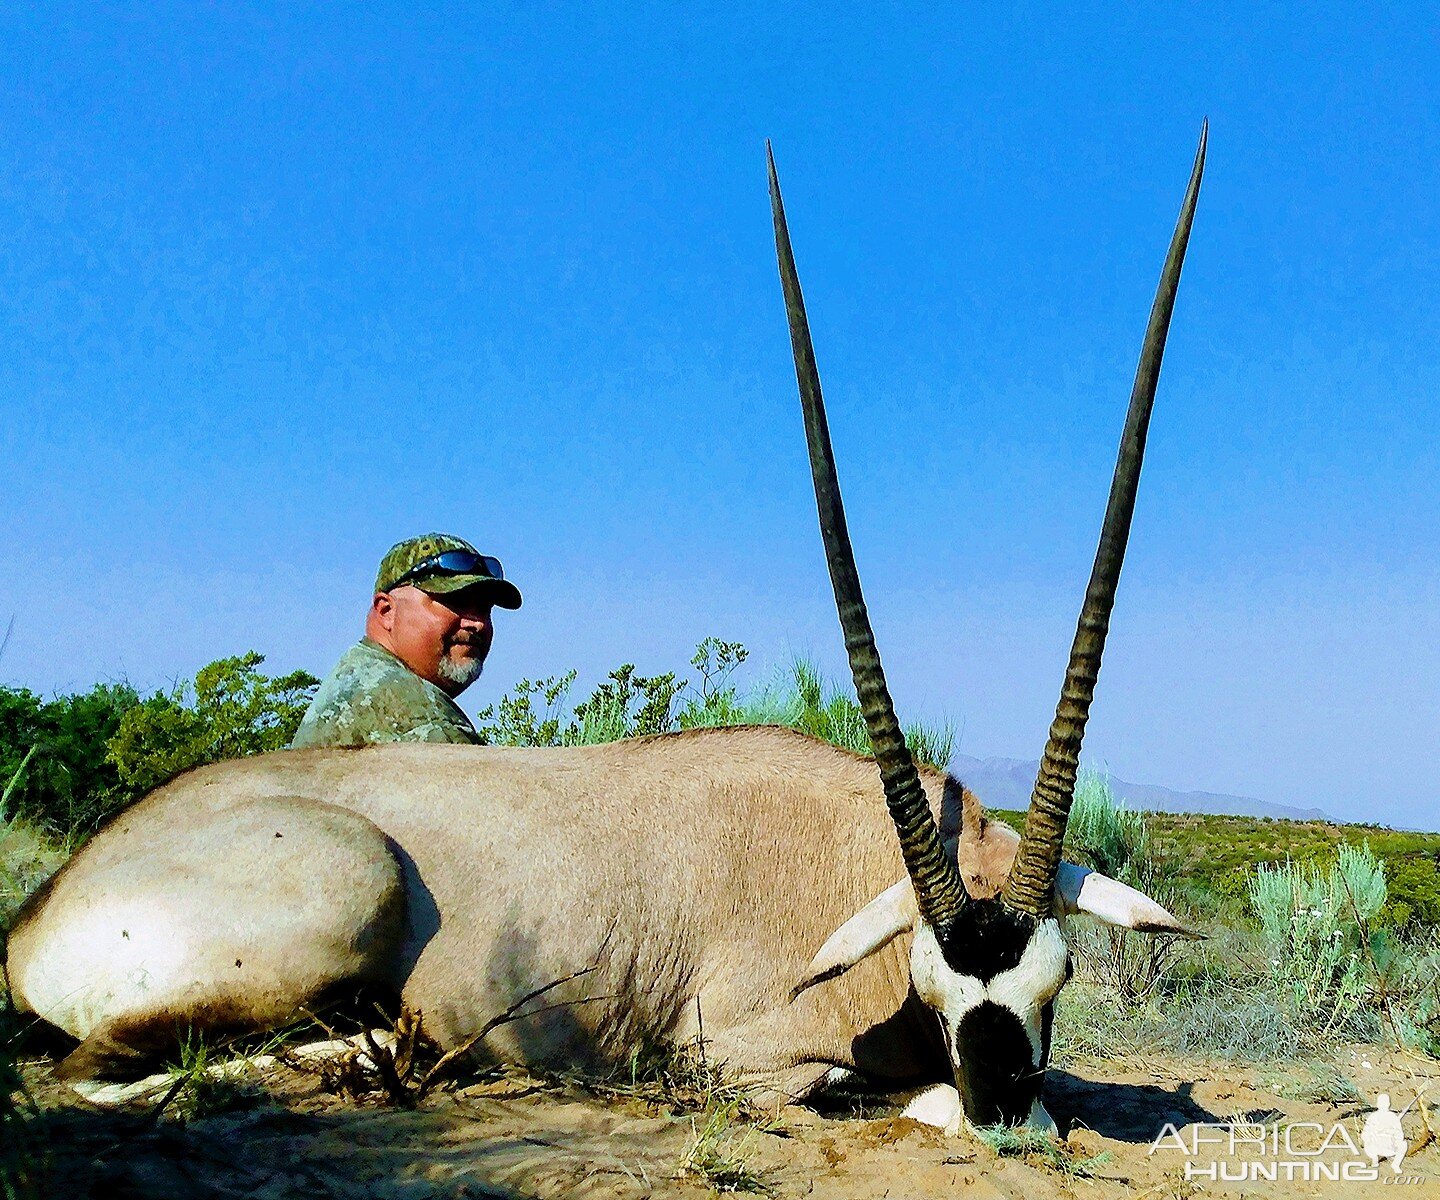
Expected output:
{"points": [[1178, 929]]}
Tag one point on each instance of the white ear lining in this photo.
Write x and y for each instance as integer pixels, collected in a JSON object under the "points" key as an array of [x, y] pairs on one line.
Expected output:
{"points": [[875, 926], [1079, 890]]}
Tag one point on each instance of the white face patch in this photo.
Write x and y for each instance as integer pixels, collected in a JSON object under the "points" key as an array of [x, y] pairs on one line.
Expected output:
{"points": [[1024, 989]]}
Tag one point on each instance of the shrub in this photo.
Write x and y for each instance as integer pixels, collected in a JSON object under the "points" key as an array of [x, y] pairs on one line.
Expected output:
{"points": [[624, 705], [515, 721], [1113, 839], [53, 765], [233, 710], [1110, 836], [1314, 922], [535, 712], [713, 701]]}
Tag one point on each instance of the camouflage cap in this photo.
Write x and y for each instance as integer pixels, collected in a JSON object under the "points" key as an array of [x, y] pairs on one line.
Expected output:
{"points": [[404, 557]]}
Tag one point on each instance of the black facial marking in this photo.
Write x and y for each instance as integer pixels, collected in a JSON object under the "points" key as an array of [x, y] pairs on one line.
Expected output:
{"points": [[999, 1080], [827, 974], [985, 939]]}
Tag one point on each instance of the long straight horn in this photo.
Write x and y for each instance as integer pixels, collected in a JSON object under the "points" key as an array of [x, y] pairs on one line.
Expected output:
{"points": [[937, 884], [1032, 877]]}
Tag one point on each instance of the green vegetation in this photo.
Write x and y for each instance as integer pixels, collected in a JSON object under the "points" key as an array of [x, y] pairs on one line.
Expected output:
{"points": [[203, 1084], [1316, 923], [69, 763], [1106, 835], [1209, 859], [232, 710], [27, 858], [720, 1150], [537, 712], [1305, 962], [53, 759], [1021, 1141], [1218, 854]]}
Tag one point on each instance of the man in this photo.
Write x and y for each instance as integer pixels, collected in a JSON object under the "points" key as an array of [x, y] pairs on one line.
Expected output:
{"points": [[426, 637]]}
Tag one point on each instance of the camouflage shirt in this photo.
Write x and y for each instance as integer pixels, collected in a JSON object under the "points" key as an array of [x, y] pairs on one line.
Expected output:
{"points": [[371, 696]]}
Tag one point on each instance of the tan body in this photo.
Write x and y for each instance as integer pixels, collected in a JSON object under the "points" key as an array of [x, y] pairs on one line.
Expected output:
{"points": [[699, 872]]}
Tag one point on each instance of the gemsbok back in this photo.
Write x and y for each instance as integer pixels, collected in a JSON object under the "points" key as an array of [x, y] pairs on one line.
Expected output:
{"points": [[741, 878]]}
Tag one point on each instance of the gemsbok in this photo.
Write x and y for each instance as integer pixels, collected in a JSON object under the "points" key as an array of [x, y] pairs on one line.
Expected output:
{"points": [[741, 880]]}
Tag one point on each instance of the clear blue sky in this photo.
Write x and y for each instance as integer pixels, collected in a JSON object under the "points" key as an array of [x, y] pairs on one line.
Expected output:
{"points": [[280, 288]]}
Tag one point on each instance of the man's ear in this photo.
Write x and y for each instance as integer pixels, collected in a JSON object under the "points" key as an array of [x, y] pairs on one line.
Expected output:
{"points": [[382, 611], [880, 922]]}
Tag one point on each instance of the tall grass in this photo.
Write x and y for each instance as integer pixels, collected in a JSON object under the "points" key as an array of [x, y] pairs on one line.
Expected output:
{"points": [[626, 704], [28, 857], [800, 697]]}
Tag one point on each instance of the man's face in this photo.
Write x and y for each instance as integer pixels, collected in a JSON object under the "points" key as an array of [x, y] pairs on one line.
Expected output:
{"points": [[441, 638]]}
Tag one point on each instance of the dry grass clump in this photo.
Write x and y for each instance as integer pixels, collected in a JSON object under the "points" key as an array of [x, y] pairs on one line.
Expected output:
{"points": [[27, 859], [720, 1150], [1313, 1081]]}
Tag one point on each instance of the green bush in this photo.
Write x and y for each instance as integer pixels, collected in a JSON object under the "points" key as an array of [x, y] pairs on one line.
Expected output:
{"points": [[1314, 922], [53, 766], [232, 710], [1104, 832], [625, 705]]}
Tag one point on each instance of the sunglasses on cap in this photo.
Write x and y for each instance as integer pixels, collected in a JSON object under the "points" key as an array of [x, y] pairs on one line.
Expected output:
{"points": [[453, 562]]}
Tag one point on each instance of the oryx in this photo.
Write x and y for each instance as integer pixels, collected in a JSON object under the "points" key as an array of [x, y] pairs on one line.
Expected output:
{"points": [[721, 877], [989, 967]]}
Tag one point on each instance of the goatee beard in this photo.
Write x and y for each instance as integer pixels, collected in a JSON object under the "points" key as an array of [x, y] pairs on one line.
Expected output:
{"points": [[461, 672]]}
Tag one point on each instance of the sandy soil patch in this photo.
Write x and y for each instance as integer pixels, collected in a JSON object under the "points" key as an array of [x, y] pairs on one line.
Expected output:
{"points": [[521, 1138]]}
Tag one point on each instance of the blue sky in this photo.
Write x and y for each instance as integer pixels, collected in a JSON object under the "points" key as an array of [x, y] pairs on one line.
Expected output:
{"points": [[278, 289]]}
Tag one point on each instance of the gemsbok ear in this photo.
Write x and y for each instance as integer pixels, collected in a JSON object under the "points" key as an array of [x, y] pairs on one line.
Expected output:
{"points": [[1079, 890], [874, 927]]}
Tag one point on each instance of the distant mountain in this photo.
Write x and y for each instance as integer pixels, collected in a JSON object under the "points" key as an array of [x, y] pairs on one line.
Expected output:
{"points": [[1006, 783]]}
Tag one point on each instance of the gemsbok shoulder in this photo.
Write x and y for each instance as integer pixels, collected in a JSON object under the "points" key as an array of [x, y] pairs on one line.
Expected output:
{"points": [[750, 879]]}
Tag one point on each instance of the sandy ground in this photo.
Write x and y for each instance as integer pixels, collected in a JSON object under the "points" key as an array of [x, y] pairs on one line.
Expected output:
{"points": [[516, 1137]]}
